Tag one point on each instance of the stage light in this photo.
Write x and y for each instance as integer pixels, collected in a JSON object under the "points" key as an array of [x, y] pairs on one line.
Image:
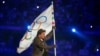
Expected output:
{"points": [[73, 30], [28, 27], [91, 26], [3, 2], [37, 7], [97, 49]]}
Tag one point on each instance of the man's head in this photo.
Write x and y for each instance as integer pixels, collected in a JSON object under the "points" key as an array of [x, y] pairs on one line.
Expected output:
{"points": [[41, 33]]}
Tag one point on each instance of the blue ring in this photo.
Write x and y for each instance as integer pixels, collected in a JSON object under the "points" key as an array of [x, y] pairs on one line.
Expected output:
{"points": [[40, 18]]}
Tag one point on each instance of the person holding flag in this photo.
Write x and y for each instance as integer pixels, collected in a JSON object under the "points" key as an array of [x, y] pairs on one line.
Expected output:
{"points": [[37, 36], [39, 44]]}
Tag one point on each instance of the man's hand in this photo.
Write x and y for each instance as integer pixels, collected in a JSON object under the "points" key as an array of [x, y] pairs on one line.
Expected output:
{"points": [[53, 27], [54, 46]]}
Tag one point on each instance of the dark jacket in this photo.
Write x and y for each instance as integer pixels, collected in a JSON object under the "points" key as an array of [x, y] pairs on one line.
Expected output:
{"points": [[40, 46]]}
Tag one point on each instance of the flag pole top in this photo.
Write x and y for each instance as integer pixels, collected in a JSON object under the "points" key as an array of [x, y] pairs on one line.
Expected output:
{"points": [[51, 2]]}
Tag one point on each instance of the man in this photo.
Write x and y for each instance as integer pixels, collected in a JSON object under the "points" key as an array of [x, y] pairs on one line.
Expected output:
{"points": [[39, 44]]}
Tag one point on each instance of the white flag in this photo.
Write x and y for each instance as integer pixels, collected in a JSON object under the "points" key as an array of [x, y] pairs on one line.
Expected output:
{"points": [[44, 21]]}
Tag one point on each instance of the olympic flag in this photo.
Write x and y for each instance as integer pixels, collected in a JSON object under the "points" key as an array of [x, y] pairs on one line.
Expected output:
{"points": [[45, 21]]}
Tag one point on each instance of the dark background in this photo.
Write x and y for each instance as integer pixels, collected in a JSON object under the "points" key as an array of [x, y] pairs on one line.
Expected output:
{"points": [[83, 15]]}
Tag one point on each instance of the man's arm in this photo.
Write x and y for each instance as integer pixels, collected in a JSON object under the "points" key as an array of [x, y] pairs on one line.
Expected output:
{"points": [[49, 35], [42, 45]]}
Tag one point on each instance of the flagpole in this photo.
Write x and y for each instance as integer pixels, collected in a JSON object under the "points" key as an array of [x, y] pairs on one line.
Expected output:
{"points": [[54, 36], [54, 41]]}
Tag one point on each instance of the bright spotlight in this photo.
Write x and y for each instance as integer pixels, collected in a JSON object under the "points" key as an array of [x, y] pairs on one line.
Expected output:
{"points": [[91, 26], [97, 49], [28, 27], [3, 2], [73, 30], [38, 7]]}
